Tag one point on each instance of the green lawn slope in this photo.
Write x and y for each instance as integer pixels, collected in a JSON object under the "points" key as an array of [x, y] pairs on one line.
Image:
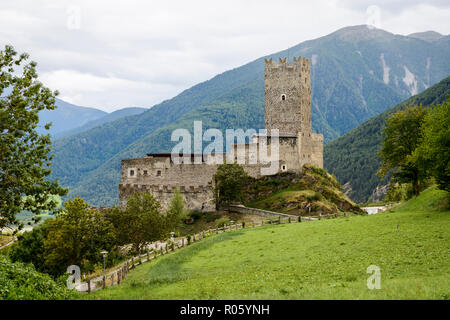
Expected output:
{"points": [[324, 259]]}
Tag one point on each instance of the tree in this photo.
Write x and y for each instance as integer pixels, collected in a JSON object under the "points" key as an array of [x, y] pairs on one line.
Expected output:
{"points": [[30, 247], [402, 135], [230, 180], [141, 222], [24, 154], [76, 237], [433, 153], [176, 209]]}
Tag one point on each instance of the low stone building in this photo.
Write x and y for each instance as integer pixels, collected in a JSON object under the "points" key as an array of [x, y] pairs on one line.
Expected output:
{"points": [[287, 109]]}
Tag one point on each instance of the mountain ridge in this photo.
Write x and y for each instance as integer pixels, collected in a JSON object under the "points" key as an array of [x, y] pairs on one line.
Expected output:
{"points": [[352, 81]]}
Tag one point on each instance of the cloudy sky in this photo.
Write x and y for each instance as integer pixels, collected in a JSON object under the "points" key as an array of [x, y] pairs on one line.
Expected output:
{"points": [[112, 54]]}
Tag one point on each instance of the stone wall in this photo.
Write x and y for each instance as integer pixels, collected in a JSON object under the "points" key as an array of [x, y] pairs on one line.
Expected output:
{"points": [[197, 198]]}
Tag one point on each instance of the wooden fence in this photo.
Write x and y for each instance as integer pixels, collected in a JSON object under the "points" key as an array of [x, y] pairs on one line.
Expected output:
{"points": [[160, 248]]}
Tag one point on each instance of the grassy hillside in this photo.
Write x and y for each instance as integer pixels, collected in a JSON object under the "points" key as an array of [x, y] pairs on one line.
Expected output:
{"points": [[324, 259], [353, 159], [293, 194], [349, 85]]}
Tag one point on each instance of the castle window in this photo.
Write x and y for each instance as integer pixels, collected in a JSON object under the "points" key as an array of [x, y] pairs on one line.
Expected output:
{"points": [[283, 167], [283, 97], [158, 173], [145, 172], [131, 172]]}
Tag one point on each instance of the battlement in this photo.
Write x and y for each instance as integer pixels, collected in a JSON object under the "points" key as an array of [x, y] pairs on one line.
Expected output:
{"points": [[298, 63], [134, 187]]}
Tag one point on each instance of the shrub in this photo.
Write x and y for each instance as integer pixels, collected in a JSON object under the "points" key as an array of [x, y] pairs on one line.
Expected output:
{"points": [[19, 281], [315, 197], [222, 221]]}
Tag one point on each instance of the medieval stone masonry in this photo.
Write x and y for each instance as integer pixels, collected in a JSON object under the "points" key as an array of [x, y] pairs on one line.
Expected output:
{"points": [[287, 108]]}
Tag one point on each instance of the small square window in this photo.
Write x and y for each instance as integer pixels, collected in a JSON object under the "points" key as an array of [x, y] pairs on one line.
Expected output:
{"points": [[283, 97], [158, 173], [131, 173], [145, 172]]}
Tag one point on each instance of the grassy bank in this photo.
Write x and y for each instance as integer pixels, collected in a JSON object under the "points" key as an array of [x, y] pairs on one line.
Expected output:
{"points": [[324, 259]]}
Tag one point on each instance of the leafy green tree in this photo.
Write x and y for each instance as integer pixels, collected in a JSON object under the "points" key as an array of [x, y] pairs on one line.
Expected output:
{"points": [[141, 222], [24, 154], [176, 209], [30, 247], [402, 135], [230, 180], [76, 237], [434, 151]]}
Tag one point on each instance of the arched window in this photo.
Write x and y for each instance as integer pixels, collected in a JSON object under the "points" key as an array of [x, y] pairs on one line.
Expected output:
{"points": [[283, 97]]}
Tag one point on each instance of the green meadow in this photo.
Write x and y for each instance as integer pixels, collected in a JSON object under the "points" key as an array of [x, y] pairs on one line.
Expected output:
{"points": [[326, 259]]}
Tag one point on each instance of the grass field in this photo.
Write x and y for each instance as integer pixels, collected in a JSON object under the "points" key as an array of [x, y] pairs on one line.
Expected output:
{"points": [[324, 259]]}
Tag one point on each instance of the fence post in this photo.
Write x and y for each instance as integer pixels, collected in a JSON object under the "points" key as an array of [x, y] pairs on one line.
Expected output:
{"points": [[299, 219], [132, 262], [104, 282], [89, 285], [112, 279], [289, 219]]}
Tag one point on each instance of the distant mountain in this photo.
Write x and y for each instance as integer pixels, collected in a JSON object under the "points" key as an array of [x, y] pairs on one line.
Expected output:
{"points": [[356, 73], [353, 159], [427, 35], [67, 116], [125, 112]]}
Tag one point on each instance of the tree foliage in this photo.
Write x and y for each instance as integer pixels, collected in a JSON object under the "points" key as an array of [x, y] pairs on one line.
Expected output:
{"points": [[20, 281], [433, 154], [402, 135], [24, 154], [142, 221], [30, 247], [230, 180], [176, 206], [77, 237]]}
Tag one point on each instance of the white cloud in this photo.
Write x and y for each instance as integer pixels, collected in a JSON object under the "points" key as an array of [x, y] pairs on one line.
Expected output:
{"points": [[138, 53]]}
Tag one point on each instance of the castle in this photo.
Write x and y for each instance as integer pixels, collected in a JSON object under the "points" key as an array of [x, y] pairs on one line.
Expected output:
{"points": [[287, 97]]}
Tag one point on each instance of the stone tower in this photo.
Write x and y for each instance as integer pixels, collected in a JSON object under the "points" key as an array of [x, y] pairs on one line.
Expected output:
{"points": [[287, 95]]}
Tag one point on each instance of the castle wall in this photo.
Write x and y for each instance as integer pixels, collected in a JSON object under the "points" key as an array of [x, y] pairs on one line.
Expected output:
{"points": [[310, 147], [287, 108], [197, 198]]}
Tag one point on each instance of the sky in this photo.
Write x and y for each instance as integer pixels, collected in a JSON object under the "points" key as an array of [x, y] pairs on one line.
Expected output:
{"points": [[112, 54]]}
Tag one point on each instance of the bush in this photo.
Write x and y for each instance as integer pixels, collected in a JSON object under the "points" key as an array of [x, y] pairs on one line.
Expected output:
{"points": [[315, 197], [222, 221], [19, 281]]}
